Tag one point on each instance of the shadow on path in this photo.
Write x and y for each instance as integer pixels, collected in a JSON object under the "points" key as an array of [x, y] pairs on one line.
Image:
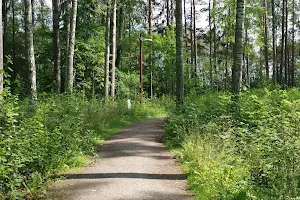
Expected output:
{"points": [[127, 175]]}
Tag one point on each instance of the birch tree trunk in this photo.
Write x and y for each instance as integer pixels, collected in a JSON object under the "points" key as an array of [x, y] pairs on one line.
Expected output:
{"points": [[238, 53], [56, 44], [179, 55], [114, 43], [107, 50], [71, 50], [30, 51]]}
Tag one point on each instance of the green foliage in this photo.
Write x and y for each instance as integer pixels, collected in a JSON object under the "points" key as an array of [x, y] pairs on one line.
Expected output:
{"points": [[255, 156], [35, 145], [128, 85]]}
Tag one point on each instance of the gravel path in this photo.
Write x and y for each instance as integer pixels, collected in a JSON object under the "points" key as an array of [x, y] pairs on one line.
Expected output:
{"points": [[133, 165]]}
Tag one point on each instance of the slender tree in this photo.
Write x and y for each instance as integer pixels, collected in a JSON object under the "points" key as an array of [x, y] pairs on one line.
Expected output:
{"points": [[56, 44], [195, 39], [286, 45], [114, 35], [247, 59], [30, 51], [179, 55], [13, 32], [192, 38], [1, 51], [293, 47], [150, 36], [71, 50], [120, 27], [172, 11], [266, 39], [33, 12], [274, 42], [67, 30], [238, 53], [213, 15], [282, 43], [107, 49], [210, 46], [168, 12]]}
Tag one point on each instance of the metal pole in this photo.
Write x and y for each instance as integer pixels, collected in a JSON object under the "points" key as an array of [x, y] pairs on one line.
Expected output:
{"points": [[141, 68]]}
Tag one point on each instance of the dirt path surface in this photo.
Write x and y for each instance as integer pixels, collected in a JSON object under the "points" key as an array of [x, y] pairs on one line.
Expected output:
{"points": [[133, 165]]}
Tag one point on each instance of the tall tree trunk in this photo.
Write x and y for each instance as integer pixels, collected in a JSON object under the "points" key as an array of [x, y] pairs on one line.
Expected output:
{"points": [[210, 47], [56, 44], [71, 50], [238, 53], [1, 51], [195, 40], [282, 43], [266, 48], [120, 25], [113, 62], [150, 36], [33, 12], [179, 56], [67, 30], [30, 51], [186, 33], [274, 42], [286, 45], [168, 12], [5, 13], [293, 48], [247, 60], [107, 50], [172, 12], [226, 68], [192, 39], [215, 40], [13, 33]]}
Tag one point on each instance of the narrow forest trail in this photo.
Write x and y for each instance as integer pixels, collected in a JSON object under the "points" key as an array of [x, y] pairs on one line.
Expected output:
{"points": [[134, 164]]}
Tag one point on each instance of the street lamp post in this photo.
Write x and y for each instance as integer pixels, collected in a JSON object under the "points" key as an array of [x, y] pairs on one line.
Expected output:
{"points": [[141, 40], [141, 68]]}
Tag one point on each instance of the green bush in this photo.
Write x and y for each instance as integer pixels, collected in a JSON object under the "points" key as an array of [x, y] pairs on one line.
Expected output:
{"points": [[34, 145], [253, 156]]}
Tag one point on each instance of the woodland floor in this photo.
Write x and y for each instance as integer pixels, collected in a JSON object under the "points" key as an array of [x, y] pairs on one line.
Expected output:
{"points": [[133, 164]]}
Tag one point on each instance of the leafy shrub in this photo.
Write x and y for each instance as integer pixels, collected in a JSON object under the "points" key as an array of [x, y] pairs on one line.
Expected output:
{"points": [[34, 145], [255, 156]]}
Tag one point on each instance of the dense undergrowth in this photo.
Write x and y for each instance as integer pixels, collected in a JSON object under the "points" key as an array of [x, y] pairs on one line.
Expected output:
{"points": [[252, 156], [35, 145]]}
